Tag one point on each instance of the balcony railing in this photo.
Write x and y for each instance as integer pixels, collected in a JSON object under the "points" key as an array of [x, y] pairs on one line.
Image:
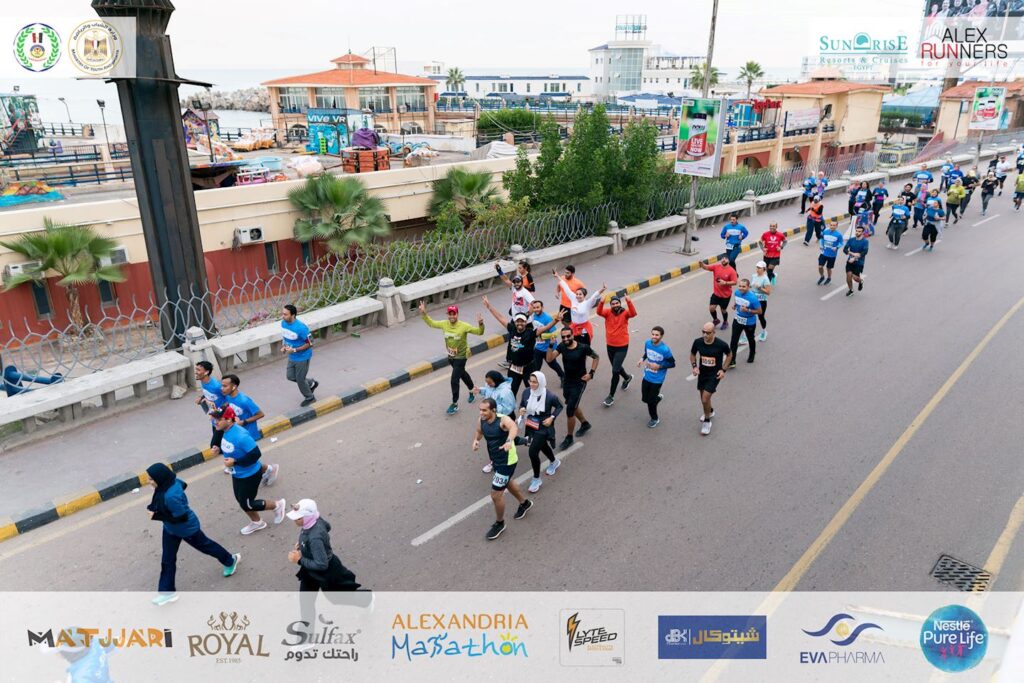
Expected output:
{"points": [[754, 134], [292, 108]]}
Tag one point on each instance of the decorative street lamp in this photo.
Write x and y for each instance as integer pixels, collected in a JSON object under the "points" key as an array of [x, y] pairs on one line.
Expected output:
{"points": [[103, 105], [66, 108]]}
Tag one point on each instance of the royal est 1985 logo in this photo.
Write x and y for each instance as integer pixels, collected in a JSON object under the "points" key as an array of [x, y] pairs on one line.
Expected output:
{"points": [[592, 637], [954, 638], [37, 47]]}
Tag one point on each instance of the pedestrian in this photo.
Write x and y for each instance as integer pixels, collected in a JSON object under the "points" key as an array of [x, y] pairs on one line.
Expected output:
{"points": [[574, 283], [1003, 169], [298, 346], [538, 411], [1018, 192], [988, 189], [709, 357], [169, 505], [725, 277], [522, 339], [831, 243], [499, 435], [856, 250], [761, 285], [734, 233], [616, 334], [455, 332], [247, 413], [745, 320], [897, 223], [815, 220], [879, 196], [243, 455], [933, 214], [954, 199], [772, 243], [656, 361], [580, 307], [971, 182], [540, 318], [574, 354]]}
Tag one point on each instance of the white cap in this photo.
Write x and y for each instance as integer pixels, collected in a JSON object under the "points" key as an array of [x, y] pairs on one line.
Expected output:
{"points": [[761, 264], [304, 508]]}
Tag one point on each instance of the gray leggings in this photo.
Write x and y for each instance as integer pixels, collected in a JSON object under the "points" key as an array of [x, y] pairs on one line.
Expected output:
{"points": [[296, 372]]}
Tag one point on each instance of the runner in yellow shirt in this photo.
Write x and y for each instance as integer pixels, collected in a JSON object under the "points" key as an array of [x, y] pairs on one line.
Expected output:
{"points": [[455, 333]]}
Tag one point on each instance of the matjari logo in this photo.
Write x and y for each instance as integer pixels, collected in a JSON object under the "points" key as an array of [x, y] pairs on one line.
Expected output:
{"points": [[37, 47]]}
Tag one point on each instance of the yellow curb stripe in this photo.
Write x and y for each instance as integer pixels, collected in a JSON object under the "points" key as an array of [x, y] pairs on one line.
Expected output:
{"points": [[495, 341], [656, 280], [269, 427], [77, 503], [419, 369], [632, 288], [328, 405], [8, 530], [376, 386], [208, 453], [676, 272], [144, 477]]}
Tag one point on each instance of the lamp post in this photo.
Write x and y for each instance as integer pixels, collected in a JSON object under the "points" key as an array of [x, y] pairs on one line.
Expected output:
{"points": [[198, 103], [402, 108], [103, 105], [66, 108]]}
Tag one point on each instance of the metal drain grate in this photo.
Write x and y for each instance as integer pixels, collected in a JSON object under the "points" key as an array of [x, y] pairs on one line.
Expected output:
{"points": [[960, 575]]}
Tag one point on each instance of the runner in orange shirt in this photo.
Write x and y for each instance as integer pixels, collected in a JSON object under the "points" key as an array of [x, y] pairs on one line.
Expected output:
{"points": [[616, 333]]}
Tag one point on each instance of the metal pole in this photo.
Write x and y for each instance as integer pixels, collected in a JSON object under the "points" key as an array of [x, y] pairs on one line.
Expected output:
{"points": [[691, 213], [66, 108]]}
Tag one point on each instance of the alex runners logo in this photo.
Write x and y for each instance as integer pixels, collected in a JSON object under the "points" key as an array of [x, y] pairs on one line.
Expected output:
{"points": [[954, 638], [228, 639], [105, 637], [592, 637], [842, 631], [494, 634]]}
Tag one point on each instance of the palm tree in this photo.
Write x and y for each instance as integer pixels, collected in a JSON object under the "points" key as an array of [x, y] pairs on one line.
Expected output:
{"points": [[455, 80], [468, 191], [339, 212], [697, 76], [750, 72], [71, 251]]}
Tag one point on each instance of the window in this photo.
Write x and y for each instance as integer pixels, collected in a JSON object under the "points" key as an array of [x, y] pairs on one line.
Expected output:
{"points": [[579, 87], [527, 87], [827, 114], [477, 87], [270, 249], [412, 97], [412, 128], [41, 298], [564, 89], [307, 251], [294, 100], [330, 98], [108, 295], [375, 99]]}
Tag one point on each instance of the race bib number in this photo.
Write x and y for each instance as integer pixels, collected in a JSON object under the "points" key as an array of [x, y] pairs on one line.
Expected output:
{"points": [[708, 361], [532, 424], [452, 351], [500, 480], [518, 369]]}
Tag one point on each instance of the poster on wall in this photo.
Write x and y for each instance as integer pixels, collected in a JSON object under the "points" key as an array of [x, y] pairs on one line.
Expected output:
{"points": [[802, 119], [330, 129], [987, 108], [19, 123], [699, 149]]}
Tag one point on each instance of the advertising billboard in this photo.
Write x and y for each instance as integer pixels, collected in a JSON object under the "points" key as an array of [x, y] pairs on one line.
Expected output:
{"points": [[701, 132], [802, 119], [987, 108]]}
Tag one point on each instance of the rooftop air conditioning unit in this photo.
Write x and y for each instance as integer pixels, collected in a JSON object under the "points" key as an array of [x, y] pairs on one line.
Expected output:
{"points": [[249, 235], [13, 269], [118, 256]]}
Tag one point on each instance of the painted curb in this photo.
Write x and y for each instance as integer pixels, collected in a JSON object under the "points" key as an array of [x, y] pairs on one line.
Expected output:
{"points": [[26, 521]]}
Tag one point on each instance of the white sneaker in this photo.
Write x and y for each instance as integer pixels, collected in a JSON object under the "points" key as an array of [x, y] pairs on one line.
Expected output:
{"points": [[743, 339], [763, 336], [229, 470], [535, 486], [164, 599], [279, 511], [489, 467], [705, 428], [553, 467], [253, 527], [702, 415], [270, 476]]}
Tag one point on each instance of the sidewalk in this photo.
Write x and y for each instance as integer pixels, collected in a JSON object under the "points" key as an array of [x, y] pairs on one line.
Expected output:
{"points": [[72, 462]]}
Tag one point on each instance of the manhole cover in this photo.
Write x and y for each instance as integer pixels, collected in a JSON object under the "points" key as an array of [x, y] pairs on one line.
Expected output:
{"points": [[960, 575]]}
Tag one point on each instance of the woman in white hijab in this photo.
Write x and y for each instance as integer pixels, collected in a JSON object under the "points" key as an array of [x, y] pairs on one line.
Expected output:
{"points": [[538, 409]]}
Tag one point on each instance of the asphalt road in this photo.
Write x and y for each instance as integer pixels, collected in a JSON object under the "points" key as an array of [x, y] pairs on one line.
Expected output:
{"points": [[793, 461]]}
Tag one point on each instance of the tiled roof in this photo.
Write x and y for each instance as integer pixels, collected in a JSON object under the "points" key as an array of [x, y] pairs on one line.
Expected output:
{"points": [[517, 78], [350, 77], [965, 91], [350, 59], [819, 88]]}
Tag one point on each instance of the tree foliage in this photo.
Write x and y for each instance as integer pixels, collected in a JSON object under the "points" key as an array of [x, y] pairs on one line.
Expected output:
{"points": [[339, 212], [750, 72], [467, 191]]}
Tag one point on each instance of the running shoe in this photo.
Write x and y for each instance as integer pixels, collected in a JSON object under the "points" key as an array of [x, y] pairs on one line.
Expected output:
{"points": [[849, 292], [702, 416], [313, 384], [750, 359], [732, 365], [566, 442], [229, 571], [307, 401], [821, 281], [534, 485], [489, 467], [504, 364], [743, 339], [705, 428], [653, 423], [828, 281], [553, 467], [472, 397], [525, 506], [496, 530], [625, 382], [271, 476], [763, 336], [452, 409], [860, 286], [253, 527], [164, 599], [279, 511], [584, 428], [608, 401], [714, 321], [724, 325]]}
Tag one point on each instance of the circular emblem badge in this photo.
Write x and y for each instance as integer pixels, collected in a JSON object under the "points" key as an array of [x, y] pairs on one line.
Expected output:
{"points": [[95, 47], [954, 638], [37, 47]]}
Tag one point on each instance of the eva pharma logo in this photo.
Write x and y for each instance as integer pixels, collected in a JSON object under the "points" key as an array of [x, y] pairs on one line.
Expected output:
{"points": [[839, 632], [842, 630], [37, 47], [713, 637], [954, 639]]}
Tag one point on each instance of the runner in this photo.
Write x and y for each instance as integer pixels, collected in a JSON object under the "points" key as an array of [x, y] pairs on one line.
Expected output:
{"points": [[744, 321], [538, 410], [809, 184], [856, 250], [988, 189], [170, 506], [734, 233], [656, 361], [579, 311], [616, 335], [574, 355], [243, 455], [761, 285], [522, 339], [918, 207], [831, 243], [865, 218], [955, 174], [821, 185], [540, 350], [815, 220], [861, 198], [954, 200], [569, 278], [897, 223], [908, 194], [522, 298], [523, 272], [499, 389], [1003, 169], [946, 180], [709, 357], [923, 178], [455, 333], [1018, 193], [971, 182], [499, 434], [879, 196], [724, 277], [933, 212], [298, 346], [211, 394], [247, 413], [772, 243]]}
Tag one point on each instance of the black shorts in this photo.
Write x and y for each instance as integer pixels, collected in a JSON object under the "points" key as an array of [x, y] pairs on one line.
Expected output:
{"points": [[930, 232], [502, 476], [246, 490], [855, 267], [772, 261], [722, 301], [572, 391], [826, 261], [708, 383]]}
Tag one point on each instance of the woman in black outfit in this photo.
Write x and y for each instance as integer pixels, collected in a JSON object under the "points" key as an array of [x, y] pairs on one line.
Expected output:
{"points": [[538, 409]]}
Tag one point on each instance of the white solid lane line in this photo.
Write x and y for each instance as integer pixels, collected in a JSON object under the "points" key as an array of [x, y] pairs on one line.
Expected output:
{"points": [[483, 502], [911, 253], [841, 288], [990, 218]]}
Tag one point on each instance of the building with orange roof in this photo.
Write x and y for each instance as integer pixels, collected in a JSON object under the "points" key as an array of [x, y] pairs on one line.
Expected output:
{"points": [[955, 108], [397, 101]]}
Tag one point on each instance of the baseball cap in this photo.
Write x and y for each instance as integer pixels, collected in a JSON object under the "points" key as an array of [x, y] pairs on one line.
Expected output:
{"points": [[304, 508], [761, 264], [453, 309], [226, 413], [517, 278], [519, 316]]}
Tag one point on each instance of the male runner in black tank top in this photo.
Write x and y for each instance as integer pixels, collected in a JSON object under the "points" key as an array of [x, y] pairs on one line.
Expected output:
{"points": [[499, 434]]}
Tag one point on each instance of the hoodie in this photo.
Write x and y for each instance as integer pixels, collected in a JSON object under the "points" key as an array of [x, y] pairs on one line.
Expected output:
{"points": [[170, 504], [318, 561], [502, 395]]}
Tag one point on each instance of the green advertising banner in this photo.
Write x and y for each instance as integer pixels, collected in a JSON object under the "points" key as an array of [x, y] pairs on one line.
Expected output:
{"points": [[987, 108], [701, 132]]}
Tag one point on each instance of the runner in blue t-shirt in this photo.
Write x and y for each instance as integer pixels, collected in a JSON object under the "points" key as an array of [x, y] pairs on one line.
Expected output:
{"points": [[879, 196], [299, 346], [247, 413], [831, 243], [898, 222], [734, 233], [856, 250], [809, 184], [540, 318], [656, 361], [933, 212], [746, 307]]}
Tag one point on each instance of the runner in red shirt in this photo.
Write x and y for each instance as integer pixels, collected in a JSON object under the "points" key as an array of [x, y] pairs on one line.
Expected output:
{"points": [[616, 335], [725, 277], [772, 244]]}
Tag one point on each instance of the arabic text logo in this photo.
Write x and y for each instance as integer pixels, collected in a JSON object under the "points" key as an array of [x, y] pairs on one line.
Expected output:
{"points": [[842, 629], [713, 637]]}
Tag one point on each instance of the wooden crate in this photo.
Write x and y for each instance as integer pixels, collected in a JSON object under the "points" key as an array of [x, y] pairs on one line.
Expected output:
{"points": [[365, 160]]}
